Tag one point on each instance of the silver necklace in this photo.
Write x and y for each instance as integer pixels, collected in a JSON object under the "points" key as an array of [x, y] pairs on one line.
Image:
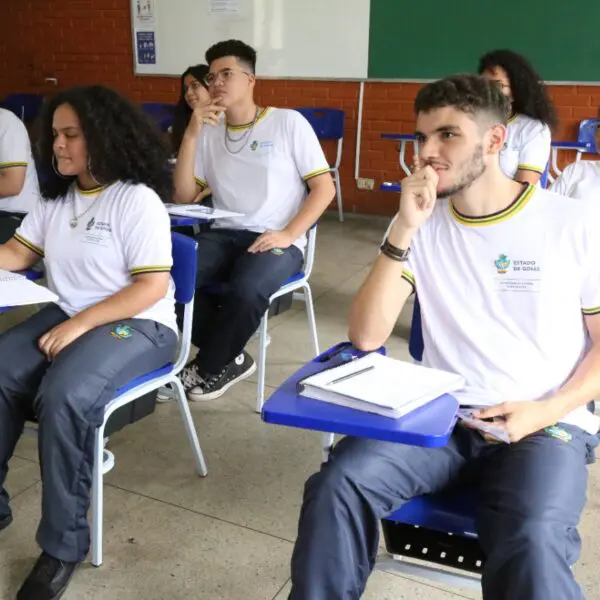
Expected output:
{"points": [[244, 137], [75, 219]]}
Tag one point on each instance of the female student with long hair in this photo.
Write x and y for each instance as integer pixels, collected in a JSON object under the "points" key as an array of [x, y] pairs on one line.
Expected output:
{"points": [[104, 234], [533, 119], [194, 92]]}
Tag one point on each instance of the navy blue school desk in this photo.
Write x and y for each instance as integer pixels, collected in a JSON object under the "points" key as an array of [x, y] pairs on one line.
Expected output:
{"points": [[429, 426], [403, 139]]}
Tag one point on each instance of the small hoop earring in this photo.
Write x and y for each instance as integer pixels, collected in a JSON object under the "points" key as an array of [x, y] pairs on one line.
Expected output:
{"points": [[56, 169], [91, 172]]}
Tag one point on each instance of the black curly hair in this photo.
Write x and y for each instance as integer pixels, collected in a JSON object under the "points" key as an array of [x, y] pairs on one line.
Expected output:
{"points": [[182, 113], [122, 142], [470, 94], [245, 54], [530, 96]]}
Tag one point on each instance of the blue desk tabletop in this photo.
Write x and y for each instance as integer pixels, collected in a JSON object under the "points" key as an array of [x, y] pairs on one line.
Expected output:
{"points": [[571, 146], [428, 426]]}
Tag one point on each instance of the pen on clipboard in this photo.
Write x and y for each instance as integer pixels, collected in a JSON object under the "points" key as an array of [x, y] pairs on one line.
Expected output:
{"points": [[350, 375]]}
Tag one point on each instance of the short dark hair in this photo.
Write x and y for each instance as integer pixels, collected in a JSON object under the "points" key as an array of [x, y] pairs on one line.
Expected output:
{"points": [[122, 142], [244, 53], [182, 112], [470, 94], [530, 96]]}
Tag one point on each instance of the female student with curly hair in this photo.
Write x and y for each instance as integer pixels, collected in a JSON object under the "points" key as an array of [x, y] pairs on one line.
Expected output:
{"points": [[533, 118], [104, 234]]}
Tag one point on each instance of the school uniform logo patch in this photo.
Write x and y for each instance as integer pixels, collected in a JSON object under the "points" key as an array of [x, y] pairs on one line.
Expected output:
{"points": [[559, 433], [121, 332], [502, 263], [254, 145], [277, 252]]}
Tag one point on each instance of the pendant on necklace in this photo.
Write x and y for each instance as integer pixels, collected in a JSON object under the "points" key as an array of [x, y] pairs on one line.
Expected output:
{"points": [[73, 223]]}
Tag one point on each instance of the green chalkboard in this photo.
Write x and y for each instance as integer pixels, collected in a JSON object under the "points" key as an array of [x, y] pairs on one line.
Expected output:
{"points": [[425, 39]]}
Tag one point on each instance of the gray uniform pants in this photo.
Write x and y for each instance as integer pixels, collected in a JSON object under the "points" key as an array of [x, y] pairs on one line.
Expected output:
{"points": [[68, 396], [531, 495]]}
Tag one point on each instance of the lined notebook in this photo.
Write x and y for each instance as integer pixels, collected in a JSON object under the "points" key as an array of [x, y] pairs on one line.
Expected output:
{"points": [[17, 290], [381, 385]]}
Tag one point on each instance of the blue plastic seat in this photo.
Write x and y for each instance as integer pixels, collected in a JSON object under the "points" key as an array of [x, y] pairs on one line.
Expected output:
{"points": [[328, 124], [26, 106]]}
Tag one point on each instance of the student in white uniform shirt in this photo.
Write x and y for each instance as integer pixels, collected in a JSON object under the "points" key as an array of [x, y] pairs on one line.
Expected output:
{"points": [[104, 234], [19, 190], [267, 164], [533, 119], [509, 284], [580, 179]]}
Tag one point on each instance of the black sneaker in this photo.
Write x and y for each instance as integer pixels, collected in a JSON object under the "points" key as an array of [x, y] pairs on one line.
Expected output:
{"points": [[5, 521], [214, 386], [48, 579]]}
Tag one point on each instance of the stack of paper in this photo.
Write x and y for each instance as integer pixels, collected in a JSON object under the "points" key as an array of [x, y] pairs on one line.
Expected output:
{"points": [[198, 211], [381, 385], [16, 290]]}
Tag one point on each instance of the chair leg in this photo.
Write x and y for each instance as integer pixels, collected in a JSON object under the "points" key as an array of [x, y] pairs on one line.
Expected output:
{"points": [[97, 498], [190, 429], [262, 362], [338, 193], [327, 441], [312, 322]]}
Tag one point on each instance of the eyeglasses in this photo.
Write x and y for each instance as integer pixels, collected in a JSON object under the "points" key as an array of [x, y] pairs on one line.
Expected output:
{"points": [[224, 75]]}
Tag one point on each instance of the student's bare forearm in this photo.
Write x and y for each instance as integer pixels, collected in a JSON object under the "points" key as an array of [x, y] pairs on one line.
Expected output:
{"points": [[126, 304], [381, 298], [186, 187], [314, 206], [14, 256]]}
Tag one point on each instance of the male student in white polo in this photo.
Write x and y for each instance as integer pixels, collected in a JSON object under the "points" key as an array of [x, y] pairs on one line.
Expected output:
{"points": [[508, 279], [18, 178], [267, 164]]}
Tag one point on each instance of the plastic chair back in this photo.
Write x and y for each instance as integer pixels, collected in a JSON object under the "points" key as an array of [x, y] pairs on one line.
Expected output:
{"points": [[328, 123], [587, 134], [161, 113], [26, 106], [184, 267], [544, 177]]}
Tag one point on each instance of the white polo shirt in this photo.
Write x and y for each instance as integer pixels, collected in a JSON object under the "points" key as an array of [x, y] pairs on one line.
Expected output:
{"points": [[266, 179], [15, 151], [502, 297], [124, 230], [527, 146], [580, 180]]}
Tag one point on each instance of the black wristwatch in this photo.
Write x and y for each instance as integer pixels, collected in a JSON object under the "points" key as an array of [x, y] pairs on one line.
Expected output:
{"points": [[393, 252]]}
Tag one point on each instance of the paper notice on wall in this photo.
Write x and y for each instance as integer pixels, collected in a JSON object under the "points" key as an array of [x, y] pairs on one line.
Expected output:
{"points": [[223, 7], [144, 13], [146, 47]]}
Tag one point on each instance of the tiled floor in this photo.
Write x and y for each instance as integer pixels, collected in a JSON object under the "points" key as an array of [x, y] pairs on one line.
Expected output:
{"points": [[171, 535]]}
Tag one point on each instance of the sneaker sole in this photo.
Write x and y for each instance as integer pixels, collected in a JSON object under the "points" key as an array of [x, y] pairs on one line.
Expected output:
{"points": [[217, 394]]}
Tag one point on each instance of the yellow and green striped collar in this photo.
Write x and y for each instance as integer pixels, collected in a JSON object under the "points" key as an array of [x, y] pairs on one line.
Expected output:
{"points": [[92, 192], [502, 215], [261, 115]]}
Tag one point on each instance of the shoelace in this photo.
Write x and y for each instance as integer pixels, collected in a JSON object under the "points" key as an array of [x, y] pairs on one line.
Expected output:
{"points": [[190, 377], [213, 380]]}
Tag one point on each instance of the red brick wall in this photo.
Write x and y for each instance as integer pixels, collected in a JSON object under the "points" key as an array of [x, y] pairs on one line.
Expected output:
{"points": [[89, 41]]}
